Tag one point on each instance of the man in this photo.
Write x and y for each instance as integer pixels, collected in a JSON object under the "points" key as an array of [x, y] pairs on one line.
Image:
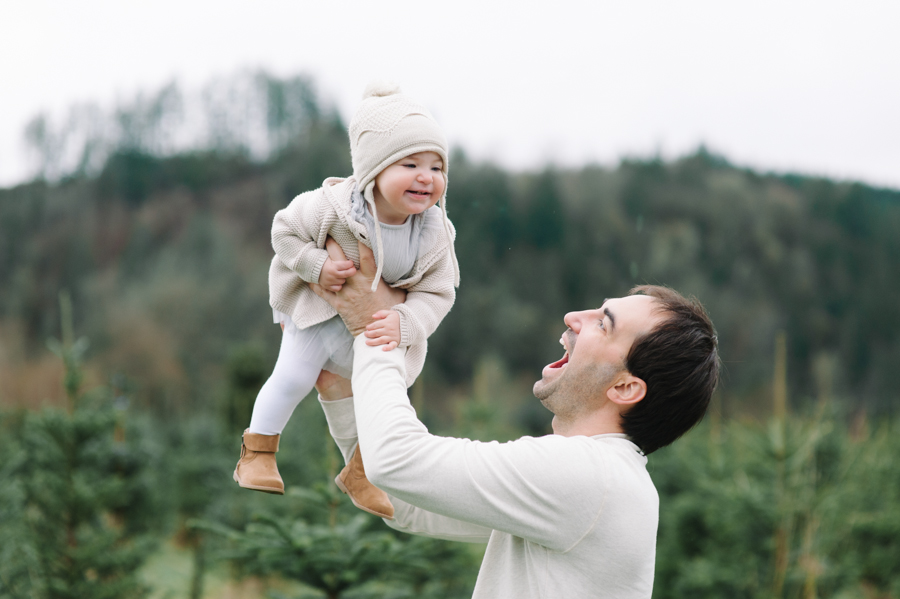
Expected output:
{"points": [[573, 514]]}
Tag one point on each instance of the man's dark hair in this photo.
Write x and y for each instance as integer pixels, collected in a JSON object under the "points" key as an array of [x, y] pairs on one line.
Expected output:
{"points": [[679, 361]]}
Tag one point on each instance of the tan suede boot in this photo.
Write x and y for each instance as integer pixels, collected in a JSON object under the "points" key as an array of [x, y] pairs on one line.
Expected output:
{"points": [[257, 469], [364, 495]]}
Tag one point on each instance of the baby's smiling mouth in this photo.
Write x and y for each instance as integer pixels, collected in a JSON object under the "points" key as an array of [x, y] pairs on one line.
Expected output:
{"points": [[420, 194]]}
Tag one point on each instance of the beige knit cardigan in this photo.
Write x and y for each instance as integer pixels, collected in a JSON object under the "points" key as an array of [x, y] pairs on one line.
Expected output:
{"points": [[298, 237]]}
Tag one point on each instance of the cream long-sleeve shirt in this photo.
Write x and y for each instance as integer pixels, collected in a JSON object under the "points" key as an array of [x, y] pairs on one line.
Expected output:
{"points": [[563, 516]]}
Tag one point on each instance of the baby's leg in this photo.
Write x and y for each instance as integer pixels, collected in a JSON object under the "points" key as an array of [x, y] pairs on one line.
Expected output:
{"points": [[292, 379]]}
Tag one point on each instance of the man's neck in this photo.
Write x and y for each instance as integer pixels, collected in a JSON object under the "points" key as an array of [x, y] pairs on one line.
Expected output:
{"points": [[598, 422]]}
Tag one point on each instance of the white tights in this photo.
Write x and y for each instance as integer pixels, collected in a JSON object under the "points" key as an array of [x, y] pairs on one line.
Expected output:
{"points": [[291, 380]]}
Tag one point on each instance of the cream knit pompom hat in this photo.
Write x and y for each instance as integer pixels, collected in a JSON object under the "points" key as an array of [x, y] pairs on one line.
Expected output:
{"points": [[388, 126]]}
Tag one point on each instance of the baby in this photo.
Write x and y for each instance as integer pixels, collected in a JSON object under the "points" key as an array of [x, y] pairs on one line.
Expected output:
{"points": [[400, 165]]}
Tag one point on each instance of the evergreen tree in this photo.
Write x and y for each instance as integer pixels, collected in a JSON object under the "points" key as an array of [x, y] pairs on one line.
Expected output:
{"points": [[331, 546], [84, 492]]}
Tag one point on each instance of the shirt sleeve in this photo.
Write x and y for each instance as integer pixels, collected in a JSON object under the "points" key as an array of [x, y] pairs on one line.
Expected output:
{"points": [[548, 490], [411, 519], [407, 518]]}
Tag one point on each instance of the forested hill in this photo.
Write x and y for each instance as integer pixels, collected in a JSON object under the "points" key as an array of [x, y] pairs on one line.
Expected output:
{"points": [[166, 257]]}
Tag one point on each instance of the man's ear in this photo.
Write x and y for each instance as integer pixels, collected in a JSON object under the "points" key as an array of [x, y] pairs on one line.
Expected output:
{"points": [[627, 390]]}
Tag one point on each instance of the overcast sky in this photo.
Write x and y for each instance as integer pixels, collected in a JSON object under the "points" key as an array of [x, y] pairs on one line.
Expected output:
{"points": [[812, 87]]}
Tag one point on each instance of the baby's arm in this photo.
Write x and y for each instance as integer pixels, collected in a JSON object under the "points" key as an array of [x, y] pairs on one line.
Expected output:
{"points": [[335, 273], [427, 303], [295, 232], [413, 321]]}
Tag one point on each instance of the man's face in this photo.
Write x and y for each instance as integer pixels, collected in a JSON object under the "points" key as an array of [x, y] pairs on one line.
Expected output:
{"points": [[597, 343]]}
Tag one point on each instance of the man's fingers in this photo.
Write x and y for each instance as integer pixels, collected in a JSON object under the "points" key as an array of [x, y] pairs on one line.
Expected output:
{"points": [[366, 261], [334, 251], [320, 291]]}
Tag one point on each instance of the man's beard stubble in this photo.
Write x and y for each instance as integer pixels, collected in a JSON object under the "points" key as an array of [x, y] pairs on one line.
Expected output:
{"points": [[573, 393]]}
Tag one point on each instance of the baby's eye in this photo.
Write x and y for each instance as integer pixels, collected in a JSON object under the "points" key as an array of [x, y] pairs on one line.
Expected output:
{"points": [[436, 169], [410, 165]]}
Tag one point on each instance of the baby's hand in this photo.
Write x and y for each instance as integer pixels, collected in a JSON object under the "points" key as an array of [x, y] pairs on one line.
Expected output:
{"points": [[335, 273], [385, 330]]}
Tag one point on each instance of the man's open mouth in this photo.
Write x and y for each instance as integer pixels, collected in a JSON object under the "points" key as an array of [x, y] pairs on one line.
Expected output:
{"points": [[561, 363], [570, 337]]}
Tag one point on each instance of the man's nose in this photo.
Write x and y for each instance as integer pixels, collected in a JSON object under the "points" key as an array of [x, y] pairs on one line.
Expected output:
{"points": [[573, 320]]}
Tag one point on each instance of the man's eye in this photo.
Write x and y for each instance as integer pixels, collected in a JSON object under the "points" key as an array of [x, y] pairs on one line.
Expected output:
{"points": [[602, 326]]}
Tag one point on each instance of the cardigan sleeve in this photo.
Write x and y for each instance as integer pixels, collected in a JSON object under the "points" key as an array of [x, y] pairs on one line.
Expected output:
{"points": [[427, 303], [296, 232]]}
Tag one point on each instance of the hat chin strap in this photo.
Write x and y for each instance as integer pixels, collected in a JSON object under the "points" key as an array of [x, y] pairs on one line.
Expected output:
{"points": [[369, 194], [450, 239]]}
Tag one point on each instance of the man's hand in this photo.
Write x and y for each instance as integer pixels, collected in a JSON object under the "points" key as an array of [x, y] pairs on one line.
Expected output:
{"points": [[355, 302]]}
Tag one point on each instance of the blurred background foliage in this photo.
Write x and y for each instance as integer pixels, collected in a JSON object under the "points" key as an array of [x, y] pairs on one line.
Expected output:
{"points": [[154, 218]]}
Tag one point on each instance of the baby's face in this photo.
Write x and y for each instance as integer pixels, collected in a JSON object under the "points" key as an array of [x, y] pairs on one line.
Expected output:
{"points": [[409, 186]]}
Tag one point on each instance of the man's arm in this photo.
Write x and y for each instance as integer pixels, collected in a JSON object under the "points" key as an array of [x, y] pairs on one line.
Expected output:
{"points": [[414, 520], [338, 409], [548, 490]]}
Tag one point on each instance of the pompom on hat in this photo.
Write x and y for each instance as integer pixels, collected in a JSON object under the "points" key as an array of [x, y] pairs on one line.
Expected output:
{"points": [[388, 126]]}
